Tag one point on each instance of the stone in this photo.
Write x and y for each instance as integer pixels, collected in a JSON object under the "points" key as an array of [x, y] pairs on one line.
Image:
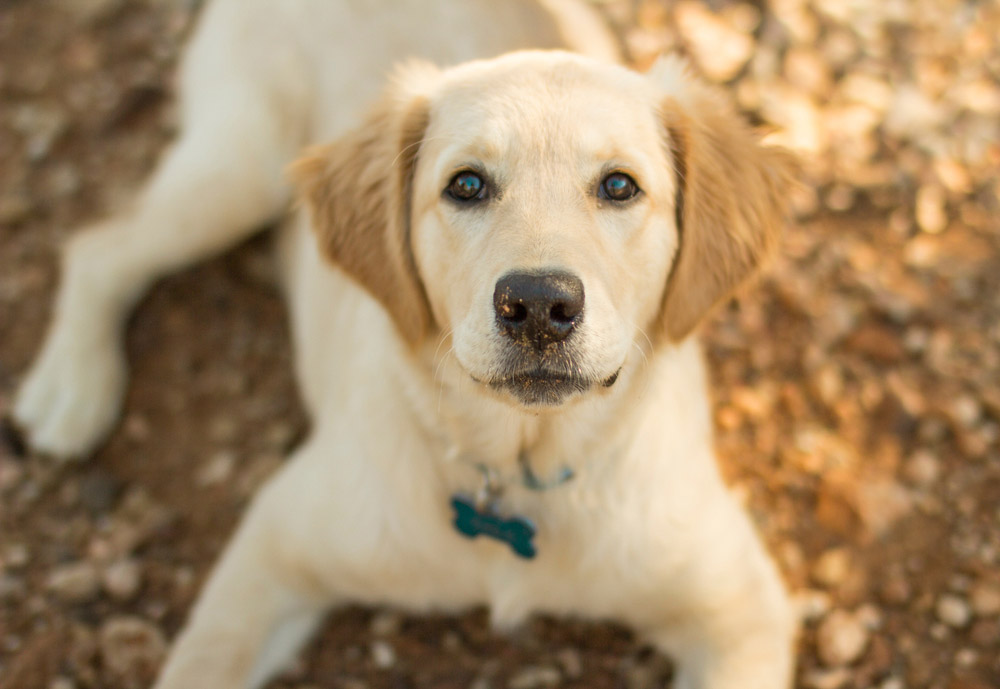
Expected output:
{"points": [[966, 658], [41, 126], [985, 599], [92, 11], [881, 503], [132, 650], [827, 679], [953, 610], [841, 639], [12, 588], [122, 579], [535, 677], [77, 582], [14, 556], [571, 662], [922, 469], [64, 181], [832, 567], [812, 604], [383, 655], [929, 210], [217, 470], [807, 70], [645, 673], [385, 623], [964, 411], [720, 49]]}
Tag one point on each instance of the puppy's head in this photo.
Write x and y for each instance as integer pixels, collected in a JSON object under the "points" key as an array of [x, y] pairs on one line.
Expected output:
{"points": [[548, 213]]}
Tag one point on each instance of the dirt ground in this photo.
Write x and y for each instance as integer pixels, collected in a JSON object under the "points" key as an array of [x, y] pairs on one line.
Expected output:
{"points": [[857, 389]]}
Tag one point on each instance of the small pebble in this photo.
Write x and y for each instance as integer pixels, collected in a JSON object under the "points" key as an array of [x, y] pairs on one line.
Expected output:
{"points": [[383, 655], [385, 623], [132, 650], [122, 579], [15, 556], [953, 610], [832, 567], [827, 679], [922, 469], [571, 662], [76, 582], [985, 599], [812, 604], [535, 677], [217, 470], [841, 639], [12, 587], [966, 657], [636, 675], [451, 642]]}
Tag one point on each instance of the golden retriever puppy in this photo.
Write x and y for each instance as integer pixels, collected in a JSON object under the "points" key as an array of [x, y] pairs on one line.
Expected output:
{"points": [[493, 278]]}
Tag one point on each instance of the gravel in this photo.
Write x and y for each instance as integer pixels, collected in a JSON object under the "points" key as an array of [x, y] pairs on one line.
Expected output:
{"points": [[855, 391]]}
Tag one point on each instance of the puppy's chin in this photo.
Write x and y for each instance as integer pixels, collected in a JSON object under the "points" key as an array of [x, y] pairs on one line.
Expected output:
{"points": [[542, 388]]}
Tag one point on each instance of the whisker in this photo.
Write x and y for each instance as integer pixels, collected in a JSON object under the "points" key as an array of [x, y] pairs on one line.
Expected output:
{"points": [[444, 338], [415, 144], [440, 379]]}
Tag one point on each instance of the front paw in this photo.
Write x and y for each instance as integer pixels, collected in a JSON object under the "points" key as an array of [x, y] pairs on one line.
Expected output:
{"points": [[71, 397]]}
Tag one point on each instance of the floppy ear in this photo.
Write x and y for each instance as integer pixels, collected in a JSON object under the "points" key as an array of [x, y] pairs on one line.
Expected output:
{"points": [[358, 192], [732, 195]]}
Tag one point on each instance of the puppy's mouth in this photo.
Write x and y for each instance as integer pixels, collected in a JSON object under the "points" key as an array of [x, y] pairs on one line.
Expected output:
{"points": [[545, 387]]}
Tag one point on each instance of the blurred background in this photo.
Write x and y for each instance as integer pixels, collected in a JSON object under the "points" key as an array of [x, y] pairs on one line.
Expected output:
{"points": [[857, 388]]}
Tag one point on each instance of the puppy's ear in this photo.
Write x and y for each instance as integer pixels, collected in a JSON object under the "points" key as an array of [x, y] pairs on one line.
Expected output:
{"points": [[358, 191], [731, 199]]}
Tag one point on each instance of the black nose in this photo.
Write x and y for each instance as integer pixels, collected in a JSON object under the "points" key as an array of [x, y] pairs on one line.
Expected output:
{"points": [[538, 308]]}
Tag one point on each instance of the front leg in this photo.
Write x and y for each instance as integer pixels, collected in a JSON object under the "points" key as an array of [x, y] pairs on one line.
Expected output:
{"points": [[256, 611], [732, 625]]}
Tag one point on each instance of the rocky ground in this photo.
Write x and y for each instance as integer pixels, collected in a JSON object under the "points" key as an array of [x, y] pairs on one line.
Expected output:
{"points": [[857, 390]]}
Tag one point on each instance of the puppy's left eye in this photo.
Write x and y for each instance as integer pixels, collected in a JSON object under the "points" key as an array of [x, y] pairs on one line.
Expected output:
{"points": [[618, 187], [467, 186]]}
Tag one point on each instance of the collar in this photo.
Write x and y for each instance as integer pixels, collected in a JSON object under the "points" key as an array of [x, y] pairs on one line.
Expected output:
{"points": [[494, 483]]}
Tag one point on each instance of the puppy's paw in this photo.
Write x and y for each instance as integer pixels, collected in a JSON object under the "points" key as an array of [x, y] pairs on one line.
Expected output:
{"points": [[71, 398]]}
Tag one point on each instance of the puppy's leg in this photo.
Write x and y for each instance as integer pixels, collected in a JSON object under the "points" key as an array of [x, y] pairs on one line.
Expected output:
{"points": [[257, 610], [737, 628], [219, 182]]}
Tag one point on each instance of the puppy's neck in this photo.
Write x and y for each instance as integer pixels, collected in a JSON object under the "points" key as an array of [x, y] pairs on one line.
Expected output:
{"points": [[469, 424]]}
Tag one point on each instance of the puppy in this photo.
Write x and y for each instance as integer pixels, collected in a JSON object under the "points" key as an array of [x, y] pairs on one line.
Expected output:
{"points": [[493, 281]]}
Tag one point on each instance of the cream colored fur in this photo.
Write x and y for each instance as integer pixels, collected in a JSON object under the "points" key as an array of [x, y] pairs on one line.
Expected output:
{"points": [[390, 287]]}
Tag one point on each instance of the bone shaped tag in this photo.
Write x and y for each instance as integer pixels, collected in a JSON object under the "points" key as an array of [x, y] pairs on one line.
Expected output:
{"points": [[516, 532]]}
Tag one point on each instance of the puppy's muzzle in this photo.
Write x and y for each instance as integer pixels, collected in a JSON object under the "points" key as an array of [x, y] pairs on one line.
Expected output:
{"points": [[538, 309]]}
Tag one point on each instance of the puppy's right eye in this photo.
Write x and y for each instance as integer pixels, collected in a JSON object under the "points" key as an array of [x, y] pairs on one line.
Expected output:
{"points": [[467, 186]]}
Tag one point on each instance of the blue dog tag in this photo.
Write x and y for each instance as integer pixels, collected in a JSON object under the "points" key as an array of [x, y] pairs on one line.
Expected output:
{"points": [[516, 532]]}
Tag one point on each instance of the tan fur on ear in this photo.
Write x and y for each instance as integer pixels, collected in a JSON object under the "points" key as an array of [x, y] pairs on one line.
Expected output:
{"points": [[358, 190], [731, 204]]}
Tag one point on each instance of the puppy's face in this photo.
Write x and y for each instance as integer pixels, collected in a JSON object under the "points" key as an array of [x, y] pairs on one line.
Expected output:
{"points": [[543, 221], [547, 213]]}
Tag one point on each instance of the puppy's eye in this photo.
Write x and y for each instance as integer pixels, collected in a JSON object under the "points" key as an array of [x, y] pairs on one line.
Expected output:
{"points": [[618, 187], [467, 186]]}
